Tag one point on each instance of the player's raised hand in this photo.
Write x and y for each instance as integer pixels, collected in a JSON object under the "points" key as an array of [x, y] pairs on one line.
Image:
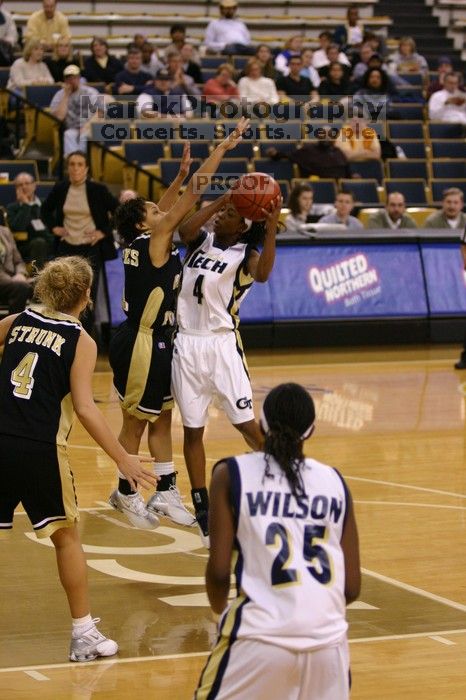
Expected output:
{"points": [[272, 213], [236, 135], [134, 472], [186, 160]]}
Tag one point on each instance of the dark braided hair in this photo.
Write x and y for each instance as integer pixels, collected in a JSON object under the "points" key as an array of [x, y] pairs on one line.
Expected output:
{"points": [[127, 216], [289, 411]]}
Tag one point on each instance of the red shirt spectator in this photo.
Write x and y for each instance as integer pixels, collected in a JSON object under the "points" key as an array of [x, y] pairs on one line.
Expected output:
{"points": [[222, 87]]}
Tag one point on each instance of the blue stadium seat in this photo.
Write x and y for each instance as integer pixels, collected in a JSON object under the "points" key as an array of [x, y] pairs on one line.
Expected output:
{"points": [[368, 169], [407, 168], [279, 169], [169, 169], [363, 191], [406, 130], [225, 127], [208, 73], [143, 152], [412, 78], [13, 167], [406, 110], [199, 149], [325, 191], [439, 186], [444, 130], [284, 146], [448, 149], [282, 131], [413, 190], [110, 132], [239, 62], [446, 168], [43, 189], [245, 149], [41, 95], [285, 189], [157, 129], [213, 62], [7, 193], [233, 166], [412, 149]]}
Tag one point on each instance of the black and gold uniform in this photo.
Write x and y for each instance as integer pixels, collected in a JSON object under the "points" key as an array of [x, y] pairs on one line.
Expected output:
{"points": [[36, 413], [140, 352]]}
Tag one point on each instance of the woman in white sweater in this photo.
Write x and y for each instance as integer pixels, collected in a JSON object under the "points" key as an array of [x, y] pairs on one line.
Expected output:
{"points": [[254, 87], [31, 69]]}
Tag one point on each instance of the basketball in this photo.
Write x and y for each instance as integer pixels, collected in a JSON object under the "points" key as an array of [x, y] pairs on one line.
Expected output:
{"points": [[254, 192]]}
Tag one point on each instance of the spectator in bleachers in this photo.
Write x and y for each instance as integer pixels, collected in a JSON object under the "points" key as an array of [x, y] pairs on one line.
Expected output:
{"points": [[293, 47], [190, 66], [132, 79], [394, 80], [178, 40], [406, 59], [153, 103], [365, 54], [78, 212], [334, 55], [376, 87], [151, 63], [336, 82], [303, 210], [344, 204], [394, 214], [449, 104], [377, 43], [33, 239], [30, 69], [8, 36], [308, 70], [100, 66], [66, 105], [451, 215], [47, 25], [445, 67], [320, 55], [179, 78], [294, 85], [319, 157], [349, 35], [228, 35], [61, 57], [358, 141], [254, 87], [15, 288], [222, 87], [264, 55]]}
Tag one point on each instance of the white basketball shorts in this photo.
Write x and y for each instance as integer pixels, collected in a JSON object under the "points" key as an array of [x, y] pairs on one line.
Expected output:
{"points": [[210, 366], [253, 670]]}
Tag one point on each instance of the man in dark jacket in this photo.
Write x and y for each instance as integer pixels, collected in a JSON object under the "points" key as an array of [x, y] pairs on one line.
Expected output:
{"points": [[318, 157], [33, 239]]}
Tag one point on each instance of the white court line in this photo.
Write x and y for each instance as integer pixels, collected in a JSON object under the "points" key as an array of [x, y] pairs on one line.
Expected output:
{"points": [[442, 640], [415, 505], [405, 486], [37, 676], [414, 589], [196, 654]]}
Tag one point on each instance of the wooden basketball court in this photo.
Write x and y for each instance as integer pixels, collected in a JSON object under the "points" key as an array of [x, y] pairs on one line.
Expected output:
{"points": [[391, 420]]}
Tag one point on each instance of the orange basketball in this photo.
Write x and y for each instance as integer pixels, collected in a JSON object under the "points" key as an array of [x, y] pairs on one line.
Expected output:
{"points": [[254, 192]]}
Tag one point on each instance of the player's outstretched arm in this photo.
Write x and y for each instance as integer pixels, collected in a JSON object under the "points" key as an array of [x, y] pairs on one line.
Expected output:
{"points": [[260, 266], [350, 546], [201, 179], [170, 197], [222, 532], [94, 422], [189, 229]]}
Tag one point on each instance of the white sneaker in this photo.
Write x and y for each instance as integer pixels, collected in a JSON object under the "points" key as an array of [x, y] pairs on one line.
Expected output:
{"points": [[169, 503], [91, 644], [202, 519], [134, 508]]}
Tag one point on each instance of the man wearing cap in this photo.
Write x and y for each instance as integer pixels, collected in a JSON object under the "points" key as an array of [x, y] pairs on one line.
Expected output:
{"points": [[228, 35], [47, 25], [160, 98], [69, 107], [445, 67]]}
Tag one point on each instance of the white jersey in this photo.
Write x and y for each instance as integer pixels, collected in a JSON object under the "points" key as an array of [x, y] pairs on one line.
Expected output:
{"points": [[214, 284], [290, 571]]}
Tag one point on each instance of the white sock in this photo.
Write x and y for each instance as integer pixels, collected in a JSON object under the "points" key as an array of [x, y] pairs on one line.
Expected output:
{"points": [[81, 624], [162, 468]]}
